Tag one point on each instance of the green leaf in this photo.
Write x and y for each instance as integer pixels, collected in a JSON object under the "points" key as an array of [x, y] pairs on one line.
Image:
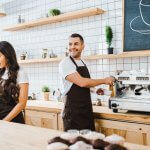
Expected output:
{"points": [[54, 12], [45, 89], [109, 35]]}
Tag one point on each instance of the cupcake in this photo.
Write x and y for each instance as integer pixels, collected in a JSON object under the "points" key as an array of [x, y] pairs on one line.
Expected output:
{"points": [[99, 144], [114, 147], [58, 139], [80, 145], [115, 139], [57, 146], [69, 136], [94, 136], [80, 138]]}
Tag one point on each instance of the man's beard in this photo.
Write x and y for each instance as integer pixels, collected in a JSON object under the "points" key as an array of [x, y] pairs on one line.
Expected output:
{"points": [[75, 54]]}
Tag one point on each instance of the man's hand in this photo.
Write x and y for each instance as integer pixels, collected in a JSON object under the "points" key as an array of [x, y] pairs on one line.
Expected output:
{"points": [[109, 80]]}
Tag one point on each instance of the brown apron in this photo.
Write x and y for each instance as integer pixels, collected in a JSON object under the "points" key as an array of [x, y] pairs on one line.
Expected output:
{"points": [[78, 113], [7, 103]]}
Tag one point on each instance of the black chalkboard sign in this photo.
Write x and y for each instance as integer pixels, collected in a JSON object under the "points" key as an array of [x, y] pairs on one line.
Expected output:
{"points": [[136, 25]]}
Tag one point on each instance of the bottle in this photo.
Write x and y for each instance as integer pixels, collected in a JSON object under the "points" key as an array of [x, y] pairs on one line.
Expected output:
{"points": [[19, 19], [26, 54], [112, 88], [33, 96], [45, 53], [52, 54]]}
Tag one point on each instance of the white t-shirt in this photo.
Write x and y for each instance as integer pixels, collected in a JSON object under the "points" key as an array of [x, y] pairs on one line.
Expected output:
{"points": [[67, 67], [22, 76]]}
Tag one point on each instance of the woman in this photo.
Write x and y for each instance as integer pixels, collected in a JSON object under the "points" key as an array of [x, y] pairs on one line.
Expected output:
{"points": [[13, 85]]}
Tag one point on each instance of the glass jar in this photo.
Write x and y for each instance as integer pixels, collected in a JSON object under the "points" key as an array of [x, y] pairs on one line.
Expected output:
{"points": [[45, 53]]}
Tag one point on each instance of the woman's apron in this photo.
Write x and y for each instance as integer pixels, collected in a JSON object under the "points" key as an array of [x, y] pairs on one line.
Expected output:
{"points": [[7, 103]]}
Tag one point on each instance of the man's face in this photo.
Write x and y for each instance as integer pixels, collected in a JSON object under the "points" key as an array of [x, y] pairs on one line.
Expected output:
{"points": [[75, 47]]}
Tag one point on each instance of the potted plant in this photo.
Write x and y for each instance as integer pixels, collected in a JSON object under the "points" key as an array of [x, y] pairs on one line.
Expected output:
{"points": [[109, 37], [54, 12], [46, 90]]}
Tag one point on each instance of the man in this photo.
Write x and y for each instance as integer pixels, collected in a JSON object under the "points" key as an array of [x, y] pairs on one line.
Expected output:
{"points": [[76, 82]]}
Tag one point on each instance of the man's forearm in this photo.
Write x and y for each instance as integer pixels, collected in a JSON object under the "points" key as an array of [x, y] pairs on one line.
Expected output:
{"points": [[77, 79], [86, 82]]}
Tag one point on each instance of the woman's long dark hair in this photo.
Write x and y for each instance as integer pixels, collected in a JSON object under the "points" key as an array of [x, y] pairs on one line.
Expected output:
{"points": [[13, 67]]}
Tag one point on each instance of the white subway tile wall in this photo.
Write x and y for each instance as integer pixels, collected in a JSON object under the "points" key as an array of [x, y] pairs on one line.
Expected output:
{"points": [[55, 37]]}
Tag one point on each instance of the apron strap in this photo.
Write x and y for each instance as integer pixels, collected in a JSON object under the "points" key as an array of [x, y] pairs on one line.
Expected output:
{"points": [[83, 62], [75, 62]]}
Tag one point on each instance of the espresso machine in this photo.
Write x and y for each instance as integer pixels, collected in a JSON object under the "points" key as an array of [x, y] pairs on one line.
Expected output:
{"points": [[131, 91]]}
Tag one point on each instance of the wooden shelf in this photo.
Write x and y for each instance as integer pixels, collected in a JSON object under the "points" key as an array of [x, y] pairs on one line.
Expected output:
{"points": [[134, 54], [2, 14], [54, 19], [30, 61], [122, 55], [94, 57]]}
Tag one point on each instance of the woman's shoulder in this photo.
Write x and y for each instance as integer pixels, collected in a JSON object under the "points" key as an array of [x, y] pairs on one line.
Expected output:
{"points": [[21, 71], [22, 76]]}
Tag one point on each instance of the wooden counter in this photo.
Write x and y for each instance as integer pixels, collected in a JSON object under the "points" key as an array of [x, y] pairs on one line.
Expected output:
{"points": [[99, 111], [15, 136], [134, 127]]}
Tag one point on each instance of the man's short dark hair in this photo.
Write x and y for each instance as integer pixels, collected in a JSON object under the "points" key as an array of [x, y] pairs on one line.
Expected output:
{"points": [[74, 35]]}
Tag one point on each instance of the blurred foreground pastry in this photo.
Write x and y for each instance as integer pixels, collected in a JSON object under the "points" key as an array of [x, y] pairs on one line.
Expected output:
{"points": [[57, 146], [69, 136], [80, 145], [99, 144], [115, 139], [58, 139], [115, 147], [94, 136], [80, 138]]}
